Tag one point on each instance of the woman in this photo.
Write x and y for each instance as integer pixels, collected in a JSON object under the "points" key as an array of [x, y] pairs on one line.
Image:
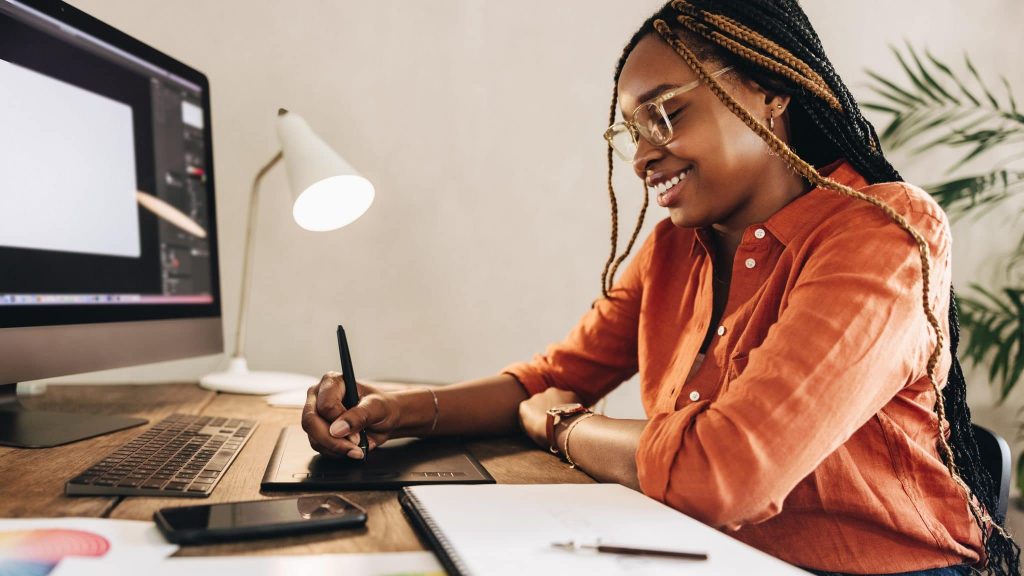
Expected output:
{"points": [[784, 319]]}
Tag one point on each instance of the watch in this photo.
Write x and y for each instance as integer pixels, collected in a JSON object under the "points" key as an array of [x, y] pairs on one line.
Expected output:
{"points": [[555, 415]]}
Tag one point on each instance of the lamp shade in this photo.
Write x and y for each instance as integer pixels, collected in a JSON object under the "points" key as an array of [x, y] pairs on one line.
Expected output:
{"points": [[329, 192]]}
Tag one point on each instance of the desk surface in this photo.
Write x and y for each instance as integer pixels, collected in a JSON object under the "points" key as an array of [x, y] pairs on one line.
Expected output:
{"points": [[32, 481]]}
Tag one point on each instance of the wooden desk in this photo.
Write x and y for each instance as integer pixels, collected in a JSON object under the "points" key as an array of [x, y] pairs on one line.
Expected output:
{"points": [[32, 481]]}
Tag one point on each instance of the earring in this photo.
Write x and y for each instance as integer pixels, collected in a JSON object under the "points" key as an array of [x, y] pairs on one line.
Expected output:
{"points": [[771, 127]]}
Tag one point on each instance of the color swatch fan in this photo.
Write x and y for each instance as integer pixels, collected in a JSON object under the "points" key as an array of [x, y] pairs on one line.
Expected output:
{"points": [[37, 552]]}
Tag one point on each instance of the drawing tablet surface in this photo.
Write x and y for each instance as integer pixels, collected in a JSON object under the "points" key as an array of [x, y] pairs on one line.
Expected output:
{"points": [[297, 467]]}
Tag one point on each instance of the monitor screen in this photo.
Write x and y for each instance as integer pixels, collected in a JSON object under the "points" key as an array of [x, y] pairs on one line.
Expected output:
{"points": [[106, 176]]}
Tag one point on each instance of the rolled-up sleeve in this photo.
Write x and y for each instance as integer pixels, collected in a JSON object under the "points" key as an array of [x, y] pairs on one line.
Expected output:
{"points": [[601, 350], [851, 335]]}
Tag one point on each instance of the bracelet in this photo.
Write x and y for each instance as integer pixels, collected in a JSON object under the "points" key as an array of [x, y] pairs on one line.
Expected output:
{"points": [[568, 434], [437, 409]]}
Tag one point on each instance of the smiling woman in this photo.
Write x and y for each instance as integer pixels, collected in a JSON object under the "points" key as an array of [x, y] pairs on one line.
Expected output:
{"points": [[791, 319]]}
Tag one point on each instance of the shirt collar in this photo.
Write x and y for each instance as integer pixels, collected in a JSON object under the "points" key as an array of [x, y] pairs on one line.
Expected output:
{"points": [[808, 210], [803, 212], [800, 214]]}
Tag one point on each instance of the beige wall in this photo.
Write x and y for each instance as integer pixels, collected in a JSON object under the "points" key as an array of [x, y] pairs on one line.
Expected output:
{"points": [[479, 122]]}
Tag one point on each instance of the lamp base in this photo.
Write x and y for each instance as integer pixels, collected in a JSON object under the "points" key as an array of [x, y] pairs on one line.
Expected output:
{"points": [[237, 379]]}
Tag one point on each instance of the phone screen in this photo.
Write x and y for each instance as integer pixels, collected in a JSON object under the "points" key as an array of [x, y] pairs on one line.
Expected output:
{"points": [[260, 513]]}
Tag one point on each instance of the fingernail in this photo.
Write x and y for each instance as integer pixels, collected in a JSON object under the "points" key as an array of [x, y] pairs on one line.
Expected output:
{"points": [[353, 438], [339, 429], [371, 443], [355, 453]]}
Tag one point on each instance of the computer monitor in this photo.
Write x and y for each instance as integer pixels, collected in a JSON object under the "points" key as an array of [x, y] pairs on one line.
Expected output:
{"points": [[108, 236]]}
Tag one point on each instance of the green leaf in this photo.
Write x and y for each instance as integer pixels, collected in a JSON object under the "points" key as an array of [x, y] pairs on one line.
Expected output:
{"points": [[892, 128], [929, 78], [966, 193], [879, 108], [1009, 95], [906, 96], [913, 77], [981, 83], [994, 325], [946, 70]]}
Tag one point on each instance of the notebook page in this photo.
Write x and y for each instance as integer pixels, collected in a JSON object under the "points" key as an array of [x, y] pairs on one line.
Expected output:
{"points": [[508, 529]]}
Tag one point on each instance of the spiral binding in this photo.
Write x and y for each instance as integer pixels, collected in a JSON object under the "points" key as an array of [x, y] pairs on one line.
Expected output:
{"points": [[440, 543]]}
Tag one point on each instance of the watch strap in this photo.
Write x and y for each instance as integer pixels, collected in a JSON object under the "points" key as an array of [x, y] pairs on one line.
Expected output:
{"points": [[555, 417], [553, 420]]}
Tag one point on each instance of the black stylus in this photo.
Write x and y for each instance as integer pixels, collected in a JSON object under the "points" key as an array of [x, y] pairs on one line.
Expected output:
{"points": [[351, 397]]}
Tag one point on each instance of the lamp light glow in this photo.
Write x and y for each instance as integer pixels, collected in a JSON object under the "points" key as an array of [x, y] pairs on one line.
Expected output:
{"points": [[333, 202]]}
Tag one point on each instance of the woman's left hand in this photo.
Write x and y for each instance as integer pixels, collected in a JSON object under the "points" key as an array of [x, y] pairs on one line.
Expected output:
{"points": [[533, 412]]}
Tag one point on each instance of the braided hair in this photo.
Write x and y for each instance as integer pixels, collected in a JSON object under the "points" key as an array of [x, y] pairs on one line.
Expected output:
{"points": [[773, 43]]}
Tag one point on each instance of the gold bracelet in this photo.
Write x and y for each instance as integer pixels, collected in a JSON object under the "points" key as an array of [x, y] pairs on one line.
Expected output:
{"points": [[437, 409], [568, 434]]}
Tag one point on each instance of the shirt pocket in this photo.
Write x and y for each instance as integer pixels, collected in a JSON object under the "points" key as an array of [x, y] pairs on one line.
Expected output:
{"points": [[737, 364], [733, 368]]}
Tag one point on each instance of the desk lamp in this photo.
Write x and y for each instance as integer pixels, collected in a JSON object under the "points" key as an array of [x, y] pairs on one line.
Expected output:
{"points": [[329, 194]]}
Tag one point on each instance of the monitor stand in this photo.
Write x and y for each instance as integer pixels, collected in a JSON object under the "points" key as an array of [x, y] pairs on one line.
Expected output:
{"points": [[24, 428]]}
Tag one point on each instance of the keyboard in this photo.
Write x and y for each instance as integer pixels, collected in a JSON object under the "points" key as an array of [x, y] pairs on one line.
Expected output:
{"points": [[182, 455]]}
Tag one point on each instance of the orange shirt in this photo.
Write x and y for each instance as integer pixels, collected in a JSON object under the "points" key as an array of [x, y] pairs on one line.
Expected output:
{"points": [[807, 431]]}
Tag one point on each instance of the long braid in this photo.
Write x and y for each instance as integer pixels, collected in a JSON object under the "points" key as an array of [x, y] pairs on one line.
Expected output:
{"points": [[827, 124], [615, 209], [612, 264]]}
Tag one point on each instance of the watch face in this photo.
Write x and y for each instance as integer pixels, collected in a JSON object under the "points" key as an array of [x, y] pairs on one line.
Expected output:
{"points": [[566, 408]]}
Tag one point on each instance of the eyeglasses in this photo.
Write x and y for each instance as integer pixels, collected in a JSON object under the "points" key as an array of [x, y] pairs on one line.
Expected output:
{"points": [[649, 120]]}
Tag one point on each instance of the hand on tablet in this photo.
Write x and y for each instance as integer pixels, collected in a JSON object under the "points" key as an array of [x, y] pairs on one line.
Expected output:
{"points": [[334, 431]]}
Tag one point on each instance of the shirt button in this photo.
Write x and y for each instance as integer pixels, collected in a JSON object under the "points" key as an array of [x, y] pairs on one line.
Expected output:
{"points": [[694, 396], [750, 263], [759, 233], [721, 330]]}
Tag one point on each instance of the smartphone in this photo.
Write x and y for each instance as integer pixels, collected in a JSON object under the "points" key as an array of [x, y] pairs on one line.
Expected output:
{"points": [[257, 518]]}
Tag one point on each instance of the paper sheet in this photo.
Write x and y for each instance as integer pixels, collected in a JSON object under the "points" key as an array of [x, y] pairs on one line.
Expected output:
{"points": [[35, 546], [390, 564], [501, 529]]}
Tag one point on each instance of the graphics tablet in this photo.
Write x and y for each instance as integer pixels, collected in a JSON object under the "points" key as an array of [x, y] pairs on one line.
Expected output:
{"points": [[294, 466]]}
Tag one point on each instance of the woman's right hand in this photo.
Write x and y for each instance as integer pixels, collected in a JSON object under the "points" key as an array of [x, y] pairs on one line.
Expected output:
{"points": [[334, 430]]}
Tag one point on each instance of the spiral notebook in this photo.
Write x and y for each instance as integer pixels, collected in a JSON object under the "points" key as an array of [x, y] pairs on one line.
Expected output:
{"points": [[509, 529]]}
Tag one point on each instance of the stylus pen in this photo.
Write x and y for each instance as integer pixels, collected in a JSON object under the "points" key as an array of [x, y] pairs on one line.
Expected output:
{"points": [[351, 397], [606, 549]]}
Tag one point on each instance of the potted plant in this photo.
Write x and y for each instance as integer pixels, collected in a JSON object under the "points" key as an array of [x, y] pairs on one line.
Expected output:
{"points": [[939, 106]]}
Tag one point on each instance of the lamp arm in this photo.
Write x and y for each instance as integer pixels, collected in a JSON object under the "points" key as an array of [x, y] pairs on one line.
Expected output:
{"points": [[248, 256]]}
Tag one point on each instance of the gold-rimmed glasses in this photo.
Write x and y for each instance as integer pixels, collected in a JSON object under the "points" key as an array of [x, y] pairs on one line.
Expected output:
{"points": [[649, 120]]}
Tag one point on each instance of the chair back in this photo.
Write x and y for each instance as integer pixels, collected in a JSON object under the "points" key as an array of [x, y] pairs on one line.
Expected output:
{"points": [[995, 456]]}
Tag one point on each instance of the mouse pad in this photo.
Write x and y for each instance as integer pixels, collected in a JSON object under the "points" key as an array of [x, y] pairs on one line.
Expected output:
{"points": [[295, 466]]}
